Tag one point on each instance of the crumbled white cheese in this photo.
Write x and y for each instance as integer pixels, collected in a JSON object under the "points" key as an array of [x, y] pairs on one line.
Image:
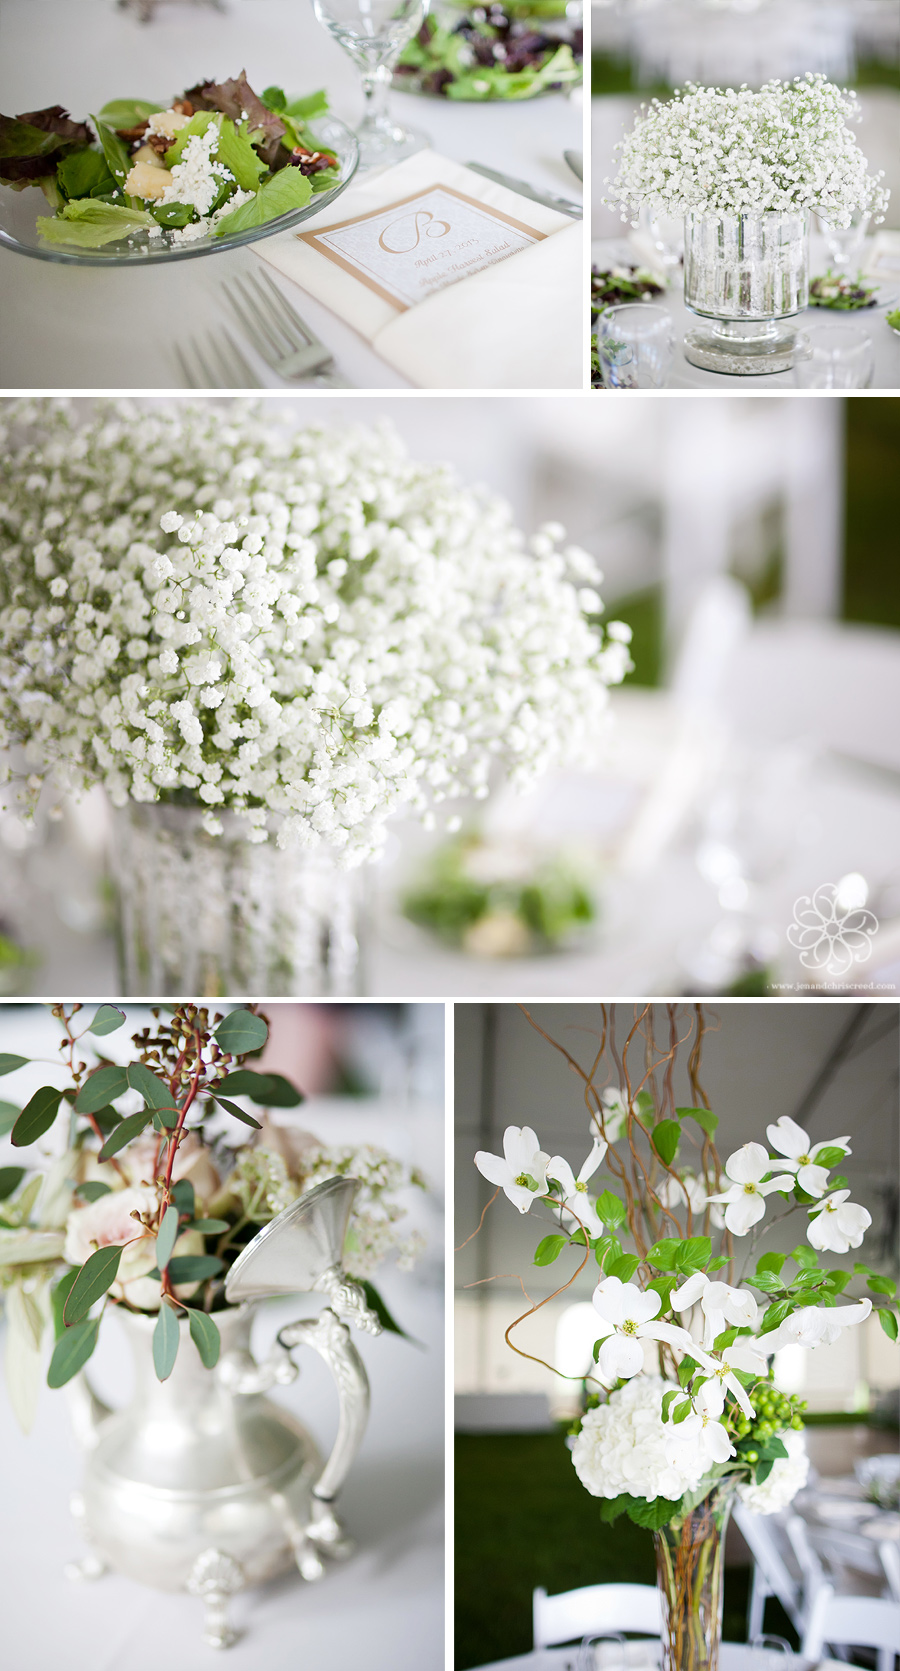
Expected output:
{"points": [[196, 178], [202, 228]]}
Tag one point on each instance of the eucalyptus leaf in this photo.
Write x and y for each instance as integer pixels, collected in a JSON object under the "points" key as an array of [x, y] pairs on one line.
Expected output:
{"points": [[155, 1093], [101, 1088], [10, 1179], [36, 1117], [269, 1090], [93, 1190], [72, 1350], [108, 1019], [125, 1133], [166, 1336], [58, 1300], [9, 1114], [8, 1064], [96, 1276], [209, 1226], [183, 1197], [205, 1335], [239, 1114], [193, 1267], [240, 1032], [167, 1237]]}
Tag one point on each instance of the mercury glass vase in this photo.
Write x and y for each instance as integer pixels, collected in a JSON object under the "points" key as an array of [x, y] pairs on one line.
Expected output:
{"points": [[748, 275], [213, 915], [689, 1572]]}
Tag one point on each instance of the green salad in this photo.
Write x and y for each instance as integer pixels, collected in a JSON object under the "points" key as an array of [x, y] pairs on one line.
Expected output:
{"points": [[893, 319], [497, 899], [492, 52], [217, 160], [833, 290]]}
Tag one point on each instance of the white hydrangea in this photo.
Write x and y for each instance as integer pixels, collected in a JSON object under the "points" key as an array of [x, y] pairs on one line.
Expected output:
{"points": [[622, 1446], [302, 626], [789, 1474], [717, 152]]}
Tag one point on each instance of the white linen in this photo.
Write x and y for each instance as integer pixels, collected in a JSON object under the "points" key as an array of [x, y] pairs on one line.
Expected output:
{"points": [[455, 339], [733, 1656], [68, 328]]}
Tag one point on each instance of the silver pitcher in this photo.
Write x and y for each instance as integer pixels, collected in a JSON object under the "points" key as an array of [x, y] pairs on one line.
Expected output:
{"points": [[204, 1484]]}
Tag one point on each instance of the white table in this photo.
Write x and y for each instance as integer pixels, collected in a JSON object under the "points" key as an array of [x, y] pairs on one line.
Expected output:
{"points": [[607, 252], [733, 1656], [70, 328], [383, 1608]]}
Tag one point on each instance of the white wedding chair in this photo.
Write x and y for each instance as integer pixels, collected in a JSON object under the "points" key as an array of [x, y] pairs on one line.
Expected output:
{"points": [[594, 1609], [890, 1560], [853, 1621], [783, 1566], [852, 1564]]}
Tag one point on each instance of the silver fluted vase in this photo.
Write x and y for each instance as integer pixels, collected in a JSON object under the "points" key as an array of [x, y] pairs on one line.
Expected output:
{"points": [[213, 915], [748, 276]]}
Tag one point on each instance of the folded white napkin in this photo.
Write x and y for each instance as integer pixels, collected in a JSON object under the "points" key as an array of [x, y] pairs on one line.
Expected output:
{"points": [[514, 325], [882, 256]]}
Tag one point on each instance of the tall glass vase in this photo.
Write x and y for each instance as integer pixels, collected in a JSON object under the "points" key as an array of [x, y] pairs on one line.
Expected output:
{"points": [[689, 1571], [748, 276], [216, 915]]}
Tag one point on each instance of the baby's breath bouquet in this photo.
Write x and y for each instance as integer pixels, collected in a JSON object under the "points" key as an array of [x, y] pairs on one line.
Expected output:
{"points": [[141, 1185], [715, 152]]}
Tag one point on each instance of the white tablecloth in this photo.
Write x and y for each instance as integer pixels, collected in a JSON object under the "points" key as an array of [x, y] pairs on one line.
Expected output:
{"points": [[607, 252], [383, 1608], [68, 328], [733, 1656]]}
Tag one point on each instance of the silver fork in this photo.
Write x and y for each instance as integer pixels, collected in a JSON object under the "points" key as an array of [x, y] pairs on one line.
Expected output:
{"points": [[278, 334], [215, 362]]}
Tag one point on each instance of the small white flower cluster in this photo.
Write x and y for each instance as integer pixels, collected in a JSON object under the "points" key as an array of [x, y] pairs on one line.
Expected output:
{"points": [[624, 1446], [372, 1235], [210, 605], [721, 152], [789, 1475]]}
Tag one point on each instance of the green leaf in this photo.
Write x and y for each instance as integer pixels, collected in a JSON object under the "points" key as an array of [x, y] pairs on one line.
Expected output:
{"points": [[183, 1197], [36, 1117], [128, 113], [92, 1191], [705, 1118], [198, 124], [101, 1088], [154, 1091], [717, 1263], [124, 1133], [20, 139], [8, 1064], [612, 1507], [652, 1515], [167, 1236], [607, 1247], [193, 1267], [10, 1179], [878, 1285], [72, 1350], [240, 1031], [285, 191], [771, 1262], [270, 1090], [205, 1336], [682, 1411], [686, 1370], [831, 1156], [549, 1249], [665, 1138], [610, 1209], [84, 174], [668, 1400], [107, 1020], [90, 224], [888, 1321], [775, 1314], [763, 1471], [804, 1256], [238, 1113], [173, 214], [663, 1286], [662, 1255], [96, 1275], [58, 1300], [208, 1226], [274, 98], [314, 104], [692, 1253], [767, 1282], [106, 1120], [116, 152], [388, 1323], [775, 1448], [624, 1267], [236, 152], [166, 1336], [9, 1114]]}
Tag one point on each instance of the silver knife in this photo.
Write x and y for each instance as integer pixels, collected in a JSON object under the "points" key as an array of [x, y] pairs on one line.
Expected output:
{"points": [[549, 200]]}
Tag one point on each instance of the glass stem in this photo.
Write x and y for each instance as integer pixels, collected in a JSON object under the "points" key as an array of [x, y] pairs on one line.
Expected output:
{"points": [[376, 85]]}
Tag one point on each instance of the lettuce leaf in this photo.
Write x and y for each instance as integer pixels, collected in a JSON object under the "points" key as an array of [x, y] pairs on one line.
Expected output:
{"points": [[91, 224], [198, 124], [116, 152], [123, 114], [287, 190], [85, 174], [236, 152], [22, 139]]}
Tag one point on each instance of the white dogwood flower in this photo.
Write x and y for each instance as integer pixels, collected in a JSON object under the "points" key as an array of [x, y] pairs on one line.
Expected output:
{"points": [[521, 1171], [683, 1191], [837, 1224], [628, 1315], [745, 1355], [799, 1154], [575, 1199], [721, 1305], [701, 1434], [745, 1201], [817, 1325], [614, 1103]]}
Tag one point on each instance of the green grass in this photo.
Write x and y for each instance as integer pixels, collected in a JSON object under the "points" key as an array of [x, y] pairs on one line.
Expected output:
{"points": [[871, 570], [612, 74], [523, 1519]]}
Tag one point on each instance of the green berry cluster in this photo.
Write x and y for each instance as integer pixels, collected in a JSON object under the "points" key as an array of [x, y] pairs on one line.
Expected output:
{"points": [[774, 1412]]}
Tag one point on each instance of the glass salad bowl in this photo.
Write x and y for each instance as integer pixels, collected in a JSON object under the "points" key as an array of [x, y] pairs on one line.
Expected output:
{"points": [[21, 210]]}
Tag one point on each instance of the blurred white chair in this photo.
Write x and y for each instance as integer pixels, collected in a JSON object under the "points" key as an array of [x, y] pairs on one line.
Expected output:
{"points": [[890, 1560], [849, 1560], [594, 1609], [853, 1621], [783, 1566]]}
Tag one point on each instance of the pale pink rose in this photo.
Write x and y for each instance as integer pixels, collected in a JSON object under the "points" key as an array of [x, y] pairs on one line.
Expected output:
{"points": [[193, 1161], [108, 1223]]}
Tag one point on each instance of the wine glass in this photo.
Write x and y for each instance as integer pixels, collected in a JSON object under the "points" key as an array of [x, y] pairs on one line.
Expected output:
{"points": [[838, 356], [373, 33], [845, 242], [635, 346]]}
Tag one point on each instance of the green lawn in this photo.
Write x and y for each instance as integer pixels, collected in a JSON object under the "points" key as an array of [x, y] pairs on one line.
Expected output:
{"points": [[523, 1519]]}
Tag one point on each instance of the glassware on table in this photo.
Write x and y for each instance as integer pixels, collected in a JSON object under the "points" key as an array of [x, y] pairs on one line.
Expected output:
{"points": [[666, 234], [747, 277], [845, 242], [763, 1648], [837, 356], [635, 346], [606, 1650], [373, 33]]}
